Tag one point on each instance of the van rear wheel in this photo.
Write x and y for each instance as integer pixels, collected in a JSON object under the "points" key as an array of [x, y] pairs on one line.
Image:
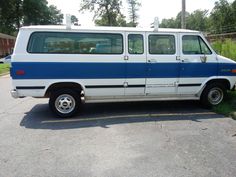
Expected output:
{"points": [[213, 95], [64, 102]]}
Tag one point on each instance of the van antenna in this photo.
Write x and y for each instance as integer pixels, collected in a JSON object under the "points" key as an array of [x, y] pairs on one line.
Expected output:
{"points": [[156, 24], [68, 21]]}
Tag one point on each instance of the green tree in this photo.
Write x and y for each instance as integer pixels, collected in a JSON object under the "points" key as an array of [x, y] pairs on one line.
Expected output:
{"points": [[38, 13], [169, 23], [14, 13], [10, 16], [222, 17], [119, 20], [74, 19], [198, 20], [18, 13], [34, 12], [178, 19], [106, 12], [133, 12], [173, 22], [234, 15], [55, 15]]}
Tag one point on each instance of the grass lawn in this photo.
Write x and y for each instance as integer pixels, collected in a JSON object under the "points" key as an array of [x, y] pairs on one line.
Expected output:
{"points": [[228, 106], [4, 68]]}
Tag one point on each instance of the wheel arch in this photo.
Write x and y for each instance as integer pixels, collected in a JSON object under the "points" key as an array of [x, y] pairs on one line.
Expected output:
{"points": [[223, 80], [63, 85]]}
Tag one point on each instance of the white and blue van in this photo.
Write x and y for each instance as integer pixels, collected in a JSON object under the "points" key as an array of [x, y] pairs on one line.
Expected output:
{"points": [[116, 64]]}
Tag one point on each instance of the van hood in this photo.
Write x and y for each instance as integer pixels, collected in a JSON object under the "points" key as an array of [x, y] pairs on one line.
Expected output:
{"points": [[222, 59], [226, 66]]}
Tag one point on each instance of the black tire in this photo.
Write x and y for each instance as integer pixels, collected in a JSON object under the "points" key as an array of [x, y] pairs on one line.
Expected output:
{"points": [[65, 102], [213, 95]]}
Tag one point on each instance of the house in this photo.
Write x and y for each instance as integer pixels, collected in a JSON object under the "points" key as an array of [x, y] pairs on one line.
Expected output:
{"points": [[7, 43]]}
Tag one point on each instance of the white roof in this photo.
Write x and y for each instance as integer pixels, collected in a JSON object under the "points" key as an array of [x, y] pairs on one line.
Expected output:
{"points": [[103, 28]]}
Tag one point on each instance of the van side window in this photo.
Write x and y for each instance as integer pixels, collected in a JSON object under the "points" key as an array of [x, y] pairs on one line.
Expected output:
{"points": [[161, 44], [194, 45], [135, 43], [75, 43]]}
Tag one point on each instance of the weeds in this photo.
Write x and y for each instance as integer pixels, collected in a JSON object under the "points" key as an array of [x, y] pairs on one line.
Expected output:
{"points": [[228, 106], [225, 48]]}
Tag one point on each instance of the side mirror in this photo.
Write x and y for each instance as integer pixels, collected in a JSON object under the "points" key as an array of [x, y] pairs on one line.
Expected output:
{"points": [[203, 58]]}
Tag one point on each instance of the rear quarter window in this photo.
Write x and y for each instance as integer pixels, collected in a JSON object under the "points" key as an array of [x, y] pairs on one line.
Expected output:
{"points": [[75, 43]]}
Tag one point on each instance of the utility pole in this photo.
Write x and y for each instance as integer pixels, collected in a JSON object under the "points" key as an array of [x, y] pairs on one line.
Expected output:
{"points": [[183, 19]]}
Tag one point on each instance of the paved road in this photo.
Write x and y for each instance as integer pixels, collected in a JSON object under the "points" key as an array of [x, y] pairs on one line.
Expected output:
{"points": [[166, 139]]}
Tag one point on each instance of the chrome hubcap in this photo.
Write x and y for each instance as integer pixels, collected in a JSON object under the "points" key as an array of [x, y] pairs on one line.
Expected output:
{"points": [[65, 103], [215, 96]]}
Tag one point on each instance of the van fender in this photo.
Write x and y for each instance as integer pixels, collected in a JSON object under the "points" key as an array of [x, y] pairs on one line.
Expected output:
{"points": [[215, 79], [77, 84]]}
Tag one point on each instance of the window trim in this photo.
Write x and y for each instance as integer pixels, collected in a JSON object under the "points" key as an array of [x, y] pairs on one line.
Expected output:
{"points": [[120, 34], [142, 43], [161, 35], [199, 42], [201, 39]]}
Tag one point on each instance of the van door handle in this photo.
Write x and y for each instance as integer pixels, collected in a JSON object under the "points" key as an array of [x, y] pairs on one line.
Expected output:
{"points": [[186, 60], [152, 61]]}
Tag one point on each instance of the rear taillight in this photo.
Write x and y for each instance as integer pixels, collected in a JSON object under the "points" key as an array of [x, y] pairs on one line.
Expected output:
{"points": [[20, 72]]}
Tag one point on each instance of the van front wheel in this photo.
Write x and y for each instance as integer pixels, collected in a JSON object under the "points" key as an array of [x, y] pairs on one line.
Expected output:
{"points": [[65, 102], [213, 95]]}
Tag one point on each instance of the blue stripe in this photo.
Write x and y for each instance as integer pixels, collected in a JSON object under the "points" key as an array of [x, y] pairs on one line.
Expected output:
{"points": [[77, 70], [198, 69], [226, 68]]}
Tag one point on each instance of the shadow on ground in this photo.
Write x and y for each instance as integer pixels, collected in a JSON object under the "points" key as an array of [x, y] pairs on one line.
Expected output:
{"points": [[103, 115]]}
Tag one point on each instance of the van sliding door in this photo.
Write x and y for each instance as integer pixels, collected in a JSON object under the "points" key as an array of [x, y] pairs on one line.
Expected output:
{"points": [[162, 64]]}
